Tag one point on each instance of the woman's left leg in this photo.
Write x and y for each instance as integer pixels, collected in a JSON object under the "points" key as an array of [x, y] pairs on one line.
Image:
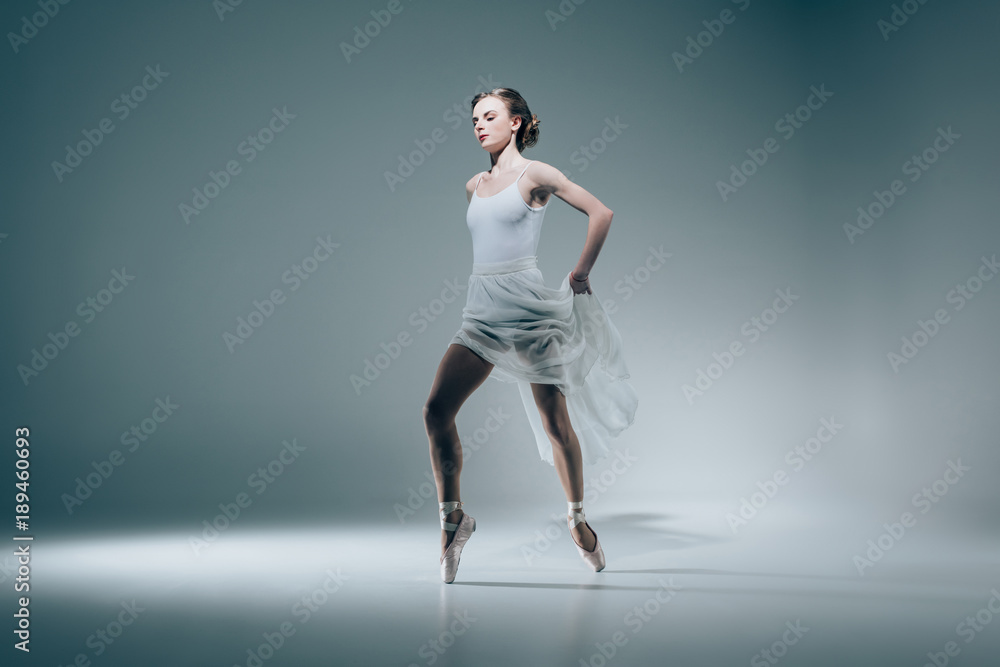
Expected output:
{"points": [[565, 452]]}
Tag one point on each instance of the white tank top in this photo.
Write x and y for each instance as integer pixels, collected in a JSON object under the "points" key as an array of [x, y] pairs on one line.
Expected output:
{"points": [[503, 226]]}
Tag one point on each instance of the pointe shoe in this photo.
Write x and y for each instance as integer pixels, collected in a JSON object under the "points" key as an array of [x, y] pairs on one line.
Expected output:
{"points": [[595, 558], [463, 531]]}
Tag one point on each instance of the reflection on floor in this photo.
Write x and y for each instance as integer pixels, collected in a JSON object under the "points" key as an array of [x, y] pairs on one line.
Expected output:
{"points": [[679, 589]]}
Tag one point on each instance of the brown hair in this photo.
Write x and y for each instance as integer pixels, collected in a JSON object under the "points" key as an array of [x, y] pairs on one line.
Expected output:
{"points": [[527, 133]]}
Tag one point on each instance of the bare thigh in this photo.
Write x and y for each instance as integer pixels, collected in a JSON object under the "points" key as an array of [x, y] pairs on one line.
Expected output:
{"points": [[460, 372]]}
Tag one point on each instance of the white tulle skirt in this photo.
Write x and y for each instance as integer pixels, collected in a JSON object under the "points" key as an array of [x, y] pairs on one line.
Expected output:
{"points": [[533, 333]]}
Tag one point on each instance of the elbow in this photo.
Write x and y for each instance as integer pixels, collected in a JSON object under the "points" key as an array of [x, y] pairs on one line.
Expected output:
{"points": [[608, 215]]}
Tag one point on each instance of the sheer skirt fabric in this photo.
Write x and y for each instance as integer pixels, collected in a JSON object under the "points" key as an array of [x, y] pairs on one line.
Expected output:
{"points": [[534, 333]]}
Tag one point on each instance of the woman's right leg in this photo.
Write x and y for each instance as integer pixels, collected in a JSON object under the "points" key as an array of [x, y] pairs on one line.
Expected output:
{"points": [[460, 372]]}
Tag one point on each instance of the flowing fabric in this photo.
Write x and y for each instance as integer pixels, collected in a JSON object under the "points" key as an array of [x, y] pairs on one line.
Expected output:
{"points": [[533, 333]]}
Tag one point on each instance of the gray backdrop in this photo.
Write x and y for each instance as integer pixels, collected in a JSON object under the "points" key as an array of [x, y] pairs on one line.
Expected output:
{"points": [[146, 194]]}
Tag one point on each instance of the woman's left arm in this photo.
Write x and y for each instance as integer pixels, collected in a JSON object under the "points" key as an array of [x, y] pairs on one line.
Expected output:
{"points": [[599, 216]]}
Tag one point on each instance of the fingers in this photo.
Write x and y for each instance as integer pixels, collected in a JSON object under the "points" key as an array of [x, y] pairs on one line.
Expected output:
{"points": [[585, 282]]}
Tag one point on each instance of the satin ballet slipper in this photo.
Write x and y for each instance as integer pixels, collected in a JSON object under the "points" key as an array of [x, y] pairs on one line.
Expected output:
{"points": [[595, 558], [463, 531]]}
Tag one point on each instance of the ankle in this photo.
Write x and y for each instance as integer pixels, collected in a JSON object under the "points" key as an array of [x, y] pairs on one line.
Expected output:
{"points": [[455, 516], [451, 513], [575, 513]]}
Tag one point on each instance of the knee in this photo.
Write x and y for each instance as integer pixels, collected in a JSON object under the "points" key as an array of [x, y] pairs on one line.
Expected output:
{"points": [[436, 418], [559, 431]]}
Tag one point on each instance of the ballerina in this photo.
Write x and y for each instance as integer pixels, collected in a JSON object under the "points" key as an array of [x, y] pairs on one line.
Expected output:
{"points": [[558, 345]]}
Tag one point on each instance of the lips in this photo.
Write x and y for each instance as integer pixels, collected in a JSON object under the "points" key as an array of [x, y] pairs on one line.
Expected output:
{"points": [[483, 136]]}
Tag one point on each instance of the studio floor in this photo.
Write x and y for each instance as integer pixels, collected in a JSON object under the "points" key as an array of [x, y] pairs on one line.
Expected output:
{"points": [[680, 588]]}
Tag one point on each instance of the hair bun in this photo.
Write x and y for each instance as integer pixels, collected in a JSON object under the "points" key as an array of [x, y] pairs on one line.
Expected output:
{"points": [[530, 137]]}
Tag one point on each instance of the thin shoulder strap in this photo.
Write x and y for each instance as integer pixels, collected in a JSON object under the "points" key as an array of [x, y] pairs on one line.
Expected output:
{"points": [[522, 171], [476, 189]]}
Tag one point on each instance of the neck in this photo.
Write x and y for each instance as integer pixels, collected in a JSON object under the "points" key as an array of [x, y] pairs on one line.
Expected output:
{"points": [[506, 159]]}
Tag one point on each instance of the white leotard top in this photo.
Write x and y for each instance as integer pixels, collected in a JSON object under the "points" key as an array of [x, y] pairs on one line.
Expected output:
{"points": [[503, 226]]}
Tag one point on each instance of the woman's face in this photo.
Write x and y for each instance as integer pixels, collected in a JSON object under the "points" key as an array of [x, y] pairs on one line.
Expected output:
{"points": [[491, 123]]}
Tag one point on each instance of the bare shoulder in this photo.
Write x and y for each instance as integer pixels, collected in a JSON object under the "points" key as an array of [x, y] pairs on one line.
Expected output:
{"points": [[549, 180], [545, 177], [470, 185]]}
